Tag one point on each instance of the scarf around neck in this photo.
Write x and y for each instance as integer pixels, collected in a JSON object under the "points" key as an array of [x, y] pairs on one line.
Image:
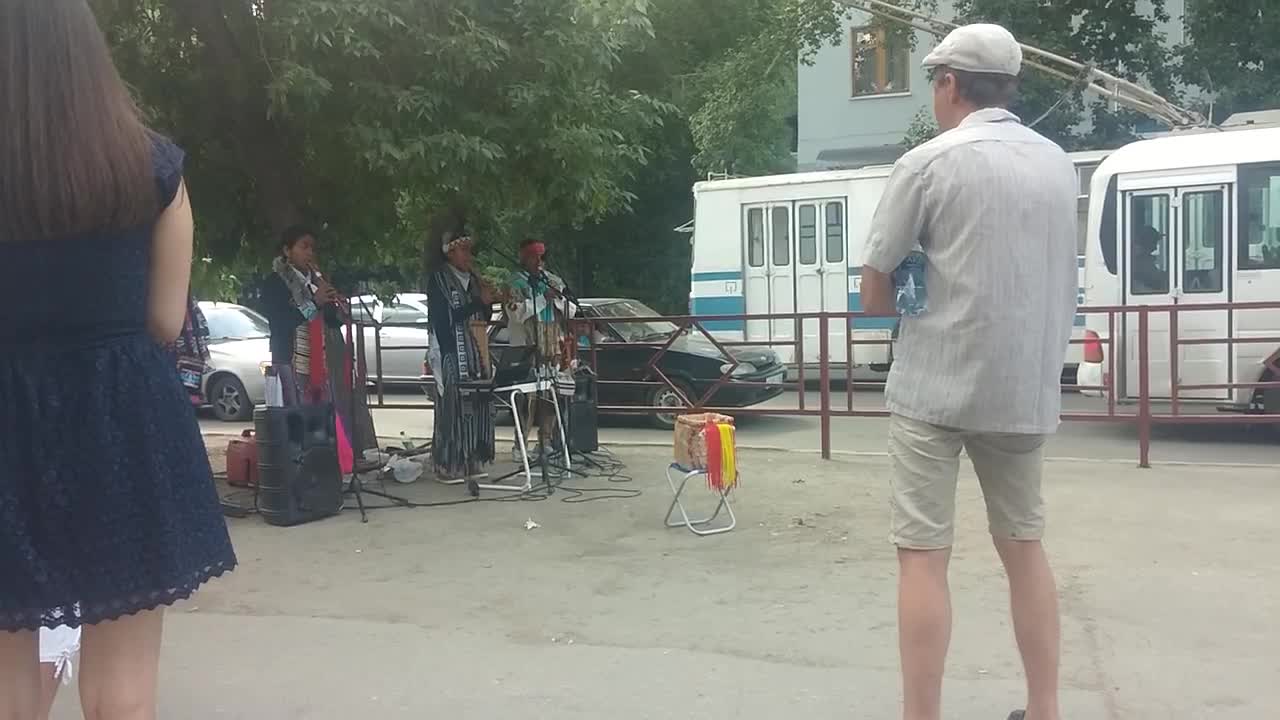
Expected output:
{"points": [[308, 339]]}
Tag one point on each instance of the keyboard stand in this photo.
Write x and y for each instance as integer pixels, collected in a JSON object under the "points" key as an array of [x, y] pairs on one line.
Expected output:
{"points": [[509, 396]]}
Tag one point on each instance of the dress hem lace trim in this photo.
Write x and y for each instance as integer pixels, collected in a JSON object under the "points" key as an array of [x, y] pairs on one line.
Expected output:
{"points": [[92, 612]]}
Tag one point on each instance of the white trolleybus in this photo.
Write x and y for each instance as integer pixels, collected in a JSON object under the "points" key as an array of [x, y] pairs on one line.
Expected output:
{"points": [[782, 244], [1183, 220]]}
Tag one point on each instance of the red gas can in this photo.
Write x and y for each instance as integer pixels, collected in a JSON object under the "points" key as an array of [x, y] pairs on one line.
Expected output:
{"points": [[242, 461]]}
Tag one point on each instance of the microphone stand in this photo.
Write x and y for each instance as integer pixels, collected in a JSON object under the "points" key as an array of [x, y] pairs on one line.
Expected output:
{"points": [[570, 296], [538, 284], [354, 352]]}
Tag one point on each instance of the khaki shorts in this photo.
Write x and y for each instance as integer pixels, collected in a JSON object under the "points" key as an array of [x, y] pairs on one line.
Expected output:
{"points": [[926, 464]]}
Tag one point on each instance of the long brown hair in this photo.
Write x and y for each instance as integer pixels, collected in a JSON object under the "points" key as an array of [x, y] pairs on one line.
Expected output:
{"points": [[74, 154]]}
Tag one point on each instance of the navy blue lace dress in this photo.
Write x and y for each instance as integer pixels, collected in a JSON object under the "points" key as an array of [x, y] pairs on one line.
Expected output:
{"points": [[107, 503]]}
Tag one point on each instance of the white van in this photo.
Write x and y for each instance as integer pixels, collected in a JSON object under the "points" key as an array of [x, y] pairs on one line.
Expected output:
{"points": [[793, 243], [1186, 220]]}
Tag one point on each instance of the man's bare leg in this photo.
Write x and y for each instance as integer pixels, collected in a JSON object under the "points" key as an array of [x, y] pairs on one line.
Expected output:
{"points": [[924, 629], [1033, 596]]}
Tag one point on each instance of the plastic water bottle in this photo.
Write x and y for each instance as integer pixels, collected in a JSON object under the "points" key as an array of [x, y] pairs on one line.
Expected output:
{"points": [[912, 298]]}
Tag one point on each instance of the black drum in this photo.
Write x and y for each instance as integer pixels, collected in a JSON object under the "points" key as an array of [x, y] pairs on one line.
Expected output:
{"points": [[298, 475]]}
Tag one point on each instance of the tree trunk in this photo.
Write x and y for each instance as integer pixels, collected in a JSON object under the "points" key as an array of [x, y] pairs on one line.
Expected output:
{"points": [[238, 90]]}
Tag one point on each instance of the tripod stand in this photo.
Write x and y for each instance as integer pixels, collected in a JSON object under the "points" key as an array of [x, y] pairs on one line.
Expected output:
{"points": [[354, 355]]}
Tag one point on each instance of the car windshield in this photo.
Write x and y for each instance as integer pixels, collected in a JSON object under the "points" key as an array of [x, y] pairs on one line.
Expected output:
{"points": [[635, 330], [233, 323]]}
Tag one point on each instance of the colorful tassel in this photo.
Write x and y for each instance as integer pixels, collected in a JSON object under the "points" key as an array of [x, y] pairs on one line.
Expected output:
{"points": [[715, 459], [729, 452], [722, 461]]}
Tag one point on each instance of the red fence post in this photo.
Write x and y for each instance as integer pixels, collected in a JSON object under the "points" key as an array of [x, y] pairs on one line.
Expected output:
{"points": [[1174, 347], [798, 347], [1110, 380], [1144, 390], [850, 347], [824, 379]]}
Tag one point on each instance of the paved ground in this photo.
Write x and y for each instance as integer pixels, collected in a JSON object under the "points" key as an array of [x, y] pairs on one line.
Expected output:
{"points": [[1225, 444], [1170, 579]]}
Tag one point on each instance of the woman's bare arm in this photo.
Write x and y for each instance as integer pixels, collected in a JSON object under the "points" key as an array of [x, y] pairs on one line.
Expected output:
{"points": [[171, 251]]}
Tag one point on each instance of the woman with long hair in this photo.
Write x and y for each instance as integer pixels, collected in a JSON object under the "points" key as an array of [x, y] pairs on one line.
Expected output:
{"points": [[108, 511]]}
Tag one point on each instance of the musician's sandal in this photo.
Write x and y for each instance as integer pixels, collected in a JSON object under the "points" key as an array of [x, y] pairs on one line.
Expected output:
{"points": [[1018, 715]]}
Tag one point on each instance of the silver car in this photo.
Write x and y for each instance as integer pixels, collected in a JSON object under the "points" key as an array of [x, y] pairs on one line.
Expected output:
{"points": [[400, 329], [239, 354]]}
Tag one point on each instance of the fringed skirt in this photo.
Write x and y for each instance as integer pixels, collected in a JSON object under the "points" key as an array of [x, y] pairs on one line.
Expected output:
{"points": [[463, 438]]}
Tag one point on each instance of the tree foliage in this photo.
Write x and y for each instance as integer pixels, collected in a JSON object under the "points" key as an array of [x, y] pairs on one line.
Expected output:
{"points": [[1114, 35], [376, 118], [388, 121], [922, 129], [1232, 53]]}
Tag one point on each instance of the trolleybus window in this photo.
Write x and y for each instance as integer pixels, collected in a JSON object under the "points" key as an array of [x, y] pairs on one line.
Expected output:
{"points": [[1149, 245], [808, 235], [755, 237], [1202, 242], [1260, 217], [835, 232], [781, 237], [1107, 231]]}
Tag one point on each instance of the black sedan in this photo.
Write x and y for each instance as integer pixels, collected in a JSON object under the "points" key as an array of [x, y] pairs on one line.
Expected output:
{"points": [[624, 346]]}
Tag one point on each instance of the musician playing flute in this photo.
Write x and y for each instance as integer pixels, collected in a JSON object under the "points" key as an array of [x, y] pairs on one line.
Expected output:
{"points": [[463, 438], [536, 311], [301, 308]]}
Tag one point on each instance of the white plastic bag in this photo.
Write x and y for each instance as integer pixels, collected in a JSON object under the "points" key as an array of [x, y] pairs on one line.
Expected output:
{"points": [[404, 470]]}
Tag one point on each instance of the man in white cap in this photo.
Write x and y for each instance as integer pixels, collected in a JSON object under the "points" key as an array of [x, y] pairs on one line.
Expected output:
{"points": [[992, 206]]}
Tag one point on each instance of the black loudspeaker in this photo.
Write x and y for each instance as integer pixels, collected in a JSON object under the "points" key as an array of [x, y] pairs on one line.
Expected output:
{"points": [[298, 475], [584, 433]]}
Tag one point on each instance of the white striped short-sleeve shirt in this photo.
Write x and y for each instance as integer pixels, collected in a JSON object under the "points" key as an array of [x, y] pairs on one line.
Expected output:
{"points": [[992, 204]]}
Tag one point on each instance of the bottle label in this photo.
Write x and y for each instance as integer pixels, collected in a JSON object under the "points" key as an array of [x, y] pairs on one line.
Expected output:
{"points": [[912, 297]]}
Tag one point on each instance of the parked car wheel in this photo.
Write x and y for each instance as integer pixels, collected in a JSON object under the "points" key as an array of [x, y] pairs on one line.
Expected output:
{"points": [[665, 396], [229, 400]]}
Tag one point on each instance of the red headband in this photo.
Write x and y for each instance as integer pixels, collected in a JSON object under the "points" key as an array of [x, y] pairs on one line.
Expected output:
{"points": [[536, 248]]}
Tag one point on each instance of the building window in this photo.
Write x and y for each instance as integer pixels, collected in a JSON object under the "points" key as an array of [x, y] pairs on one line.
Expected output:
{"points": [[881, 62]]}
